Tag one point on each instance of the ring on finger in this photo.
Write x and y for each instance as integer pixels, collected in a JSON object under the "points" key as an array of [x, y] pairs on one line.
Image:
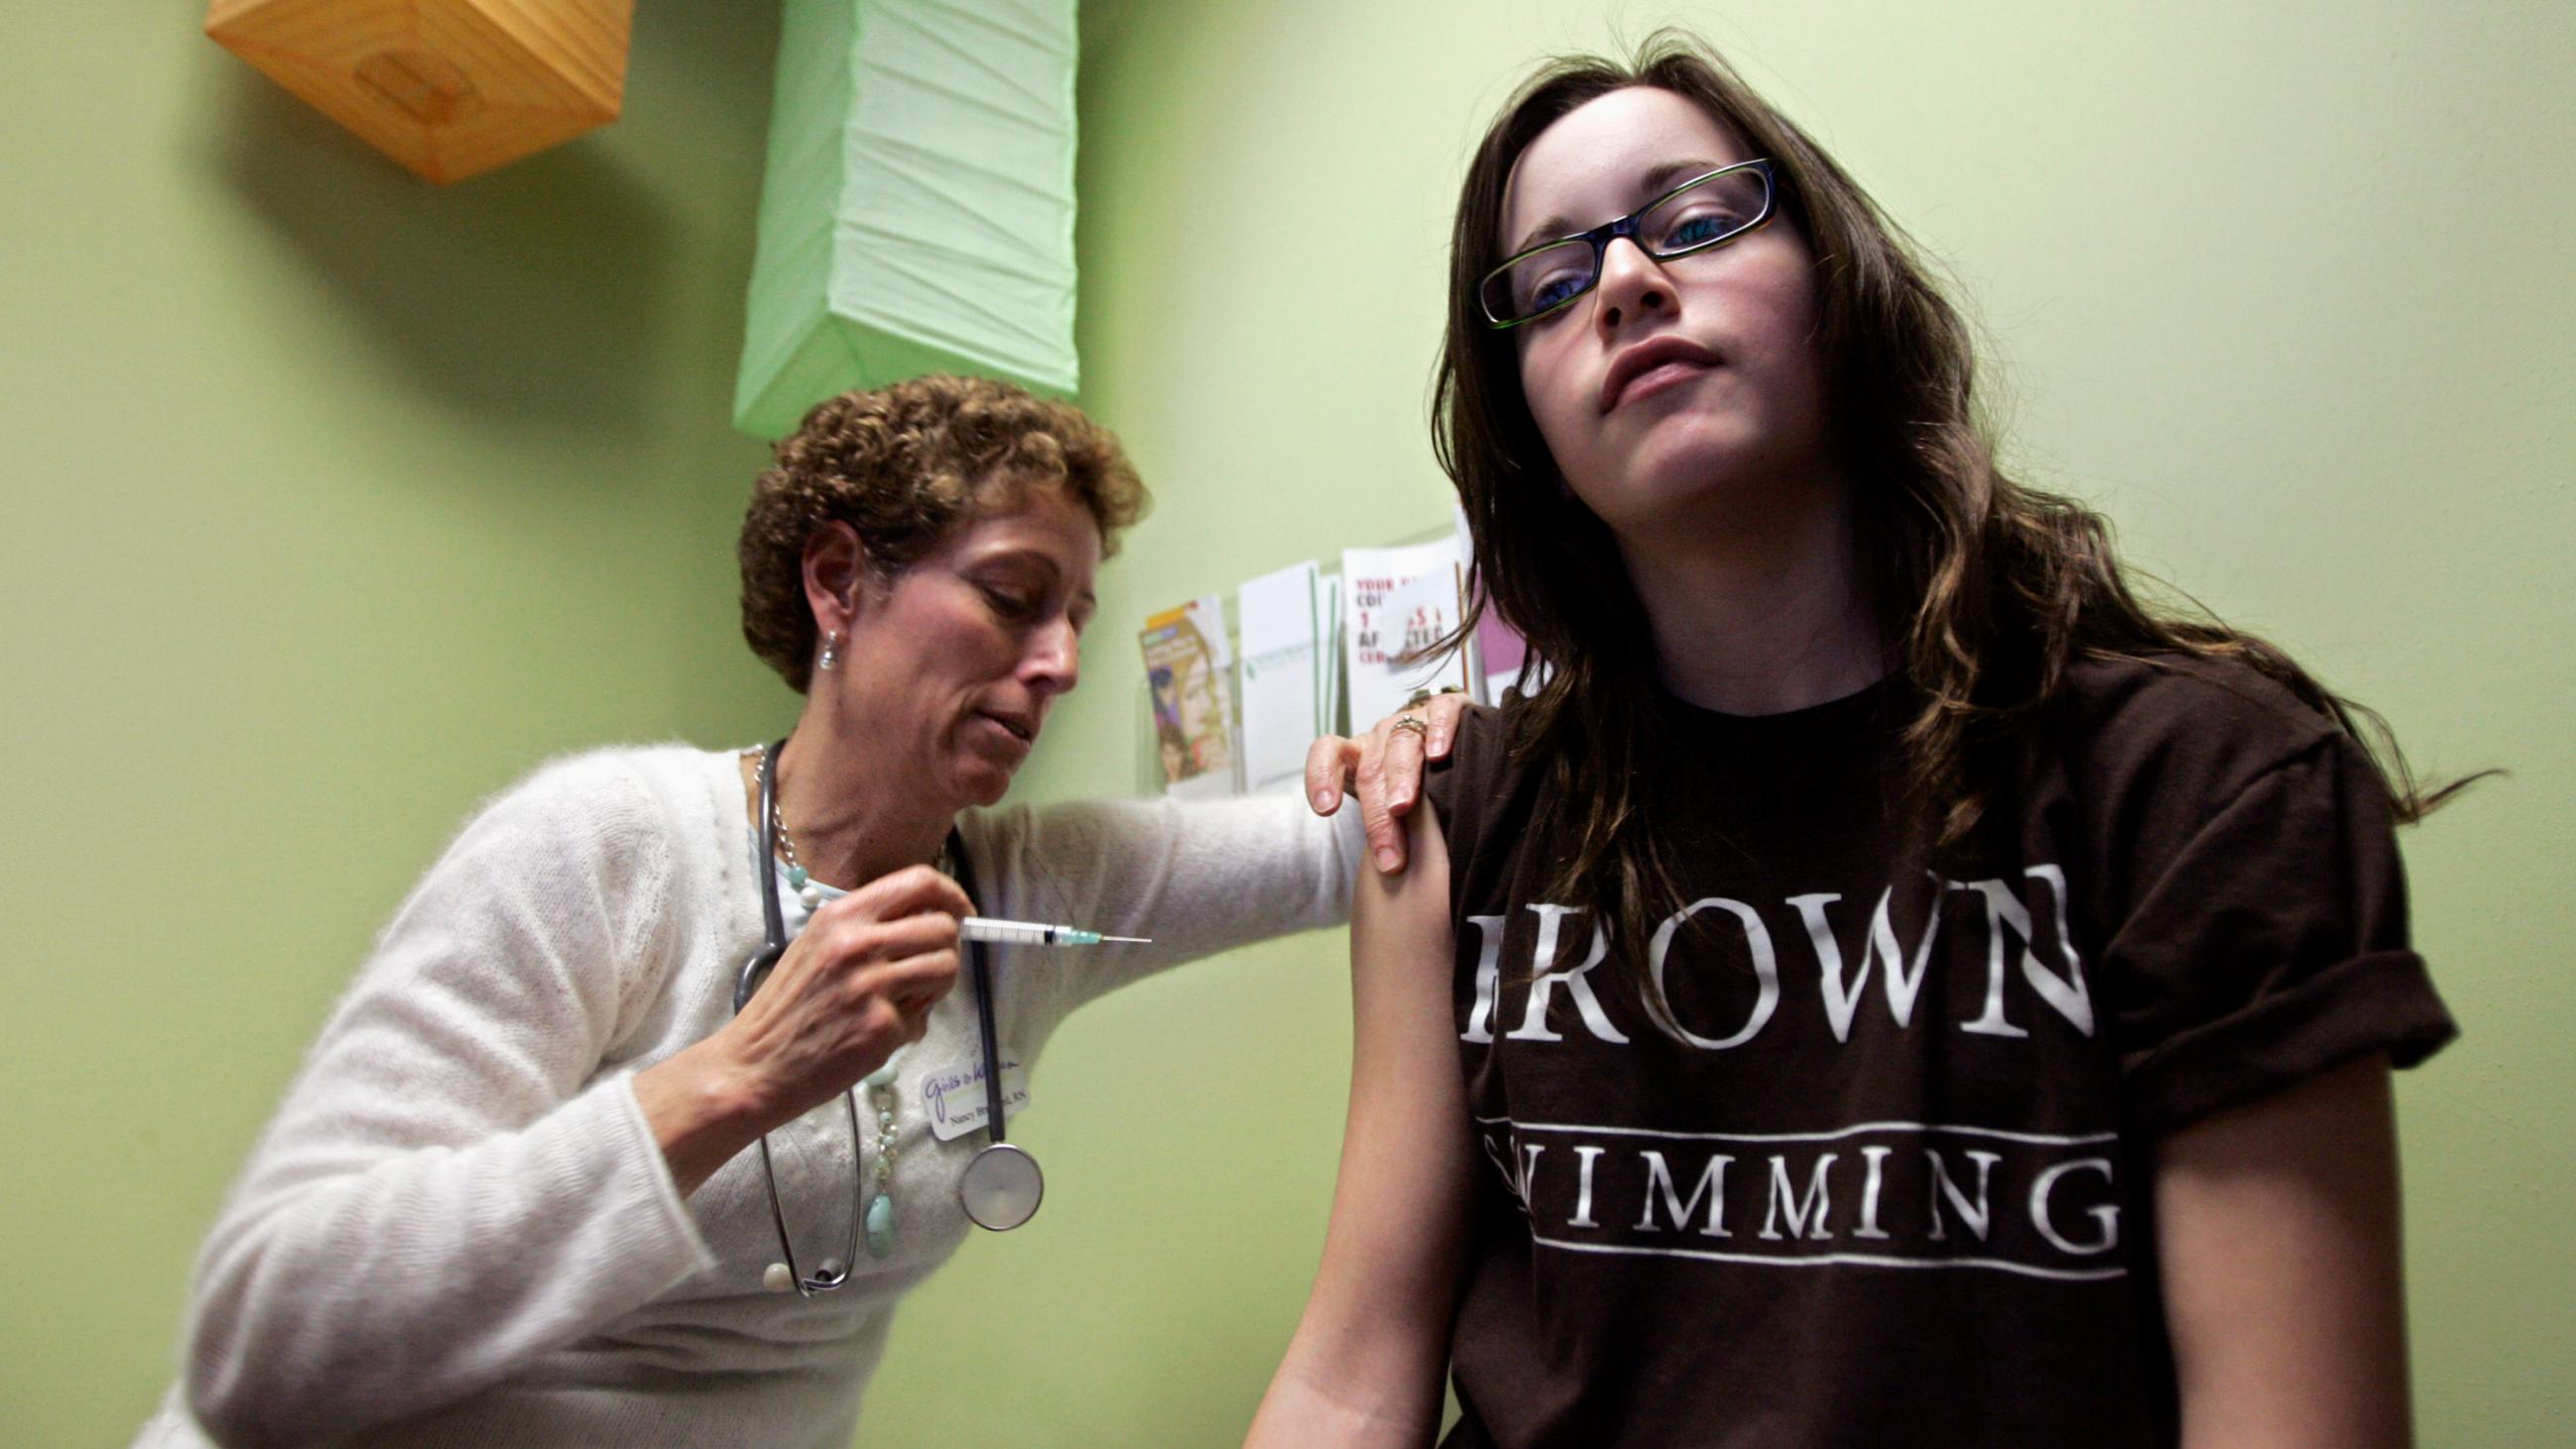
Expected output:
{"points": [[1413, 723]]}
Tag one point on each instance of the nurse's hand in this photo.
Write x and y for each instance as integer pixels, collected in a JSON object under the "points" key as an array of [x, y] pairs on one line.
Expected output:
{"points": [[858, 982], [1383, 767]]}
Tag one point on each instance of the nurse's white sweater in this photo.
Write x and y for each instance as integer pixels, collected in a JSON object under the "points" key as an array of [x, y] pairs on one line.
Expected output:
{"points": [[459, 1229]]}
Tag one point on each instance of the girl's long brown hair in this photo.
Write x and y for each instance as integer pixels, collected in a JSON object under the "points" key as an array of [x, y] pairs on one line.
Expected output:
{"points": [[1985, 588]]}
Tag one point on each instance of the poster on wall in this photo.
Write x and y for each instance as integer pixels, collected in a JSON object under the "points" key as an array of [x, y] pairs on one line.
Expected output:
{"points": [[1190, 670]]}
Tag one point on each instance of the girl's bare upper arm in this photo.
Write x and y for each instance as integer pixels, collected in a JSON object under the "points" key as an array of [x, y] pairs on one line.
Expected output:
{"points": [[2277, 1228], [1368, 1356]]}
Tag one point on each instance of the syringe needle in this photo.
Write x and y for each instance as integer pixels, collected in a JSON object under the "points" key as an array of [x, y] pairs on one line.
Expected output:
{"points": [[1037, 933]]}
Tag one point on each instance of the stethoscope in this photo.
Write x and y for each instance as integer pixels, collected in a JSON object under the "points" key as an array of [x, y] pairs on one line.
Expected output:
{"points": [[1001, 1187]]}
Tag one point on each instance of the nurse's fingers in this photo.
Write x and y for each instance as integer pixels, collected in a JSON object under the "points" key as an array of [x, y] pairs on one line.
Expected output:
{"points": [[1383, 768], [906, 892], [1328, 769], [1443, 711], [1439, 732], [1389, 780]]}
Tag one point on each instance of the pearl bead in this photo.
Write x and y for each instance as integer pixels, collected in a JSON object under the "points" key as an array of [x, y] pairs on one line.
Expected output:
{"points": [[777, 1279], [811, 895]]}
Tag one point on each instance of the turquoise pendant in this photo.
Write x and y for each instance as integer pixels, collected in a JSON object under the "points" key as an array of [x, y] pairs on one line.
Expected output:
{"points": [[881, 1225], [796, 877]]}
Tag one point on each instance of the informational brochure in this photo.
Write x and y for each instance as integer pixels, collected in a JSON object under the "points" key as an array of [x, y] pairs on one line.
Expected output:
{"points": [[1191, 673], [1397, 602], [1286, 668]]}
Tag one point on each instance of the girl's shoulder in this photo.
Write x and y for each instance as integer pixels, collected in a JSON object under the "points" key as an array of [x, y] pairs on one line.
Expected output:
{"points": [[2183, 721], [1482, 795], [1478, 758], [2157, 763]]}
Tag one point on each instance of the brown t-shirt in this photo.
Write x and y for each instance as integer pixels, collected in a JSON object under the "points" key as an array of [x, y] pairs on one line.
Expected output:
{"points": [[1887, 1178]]}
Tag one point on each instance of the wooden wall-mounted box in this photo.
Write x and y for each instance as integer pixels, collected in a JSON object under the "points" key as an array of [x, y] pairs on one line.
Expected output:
{"points": [[448, 88]]}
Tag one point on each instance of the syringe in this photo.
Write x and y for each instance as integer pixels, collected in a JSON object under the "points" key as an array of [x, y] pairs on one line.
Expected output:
{"points": [[1036, 933]]}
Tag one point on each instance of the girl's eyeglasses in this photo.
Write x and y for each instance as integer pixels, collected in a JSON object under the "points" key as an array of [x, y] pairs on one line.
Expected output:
{"points": [[1706, 211]]}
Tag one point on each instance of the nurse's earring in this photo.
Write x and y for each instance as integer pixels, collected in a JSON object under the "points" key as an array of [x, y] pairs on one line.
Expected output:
{"points": [[831, 652]]}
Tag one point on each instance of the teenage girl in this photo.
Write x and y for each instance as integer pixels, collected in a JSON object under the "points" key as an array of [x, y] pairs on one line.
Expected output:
{"points": [[1891, 985]]}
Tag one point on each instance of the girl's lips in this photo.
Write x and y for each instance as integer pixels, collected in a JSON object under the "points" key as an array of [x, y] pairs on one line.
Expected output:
{"points": [[1653, 355], [1656, 379]]}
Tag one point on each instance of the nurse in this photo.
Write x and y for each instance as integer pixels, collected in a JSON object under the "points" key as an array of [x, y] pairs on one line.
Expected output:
{"points": [[509, 1198]]}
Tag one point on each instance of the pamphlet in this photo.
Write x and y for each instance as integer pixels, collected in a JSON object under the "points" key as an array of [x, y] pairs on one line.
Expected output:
{"points": [[1191, 673]]}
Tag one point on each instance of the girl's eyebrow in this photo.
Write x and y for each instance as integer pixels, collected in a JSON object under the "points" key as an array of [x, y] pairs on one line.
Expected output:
{"points": [[1658, 179]]}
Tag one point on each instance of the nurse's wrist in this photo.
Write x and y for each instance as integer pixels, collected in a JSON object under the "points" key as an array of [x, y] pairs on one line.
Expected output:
{"points": [[702, 1112]]}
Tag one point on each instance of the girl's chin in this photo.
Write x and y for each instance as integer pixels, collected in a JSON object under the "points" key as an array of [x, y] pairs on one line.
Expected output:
{"points": [[1690, 453], [1688, 480]]}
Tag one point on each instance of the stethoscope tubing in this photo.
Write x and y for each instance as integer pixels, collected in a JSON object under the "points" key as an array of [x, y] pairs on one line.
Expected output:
{"points": [[834, 1272], [999, 1163], [996, 1153]]}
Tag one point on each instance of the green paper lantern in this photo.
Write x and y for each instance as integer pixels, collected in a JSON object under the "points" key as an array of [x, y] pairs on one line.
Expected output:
{"points": [[917, 211]]}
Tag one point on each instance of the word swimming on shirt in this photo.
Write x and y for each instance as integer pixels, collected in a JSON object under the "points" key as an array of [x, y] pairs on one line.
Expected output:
{"points": [[1878, 1194]]}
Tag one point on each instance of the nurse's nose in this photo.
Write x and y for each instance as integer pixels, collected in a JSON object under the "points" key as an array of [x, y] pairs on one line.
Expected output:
{"points": [[1053, 661]]}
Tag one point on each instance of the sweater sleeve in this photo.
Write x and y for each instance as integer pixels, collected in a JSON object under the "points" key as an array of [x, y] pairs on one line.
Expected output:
{"points": [[1196, 878], [454, 1184]]}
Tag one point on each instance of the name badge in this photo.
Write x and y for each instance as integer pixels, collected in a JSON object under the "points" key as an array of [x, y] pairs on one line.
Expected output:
{"points": [[953, 1098]]}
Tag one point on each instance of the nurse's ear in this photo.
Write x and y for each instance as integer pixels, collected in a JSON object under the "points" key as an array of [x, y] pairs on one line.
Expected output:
{"points": [[836, 576]]}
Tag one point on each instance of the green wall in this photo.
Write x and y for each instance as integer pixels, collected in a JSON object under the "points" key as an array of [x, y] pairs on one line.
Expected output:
{"points": [[334, 501]]}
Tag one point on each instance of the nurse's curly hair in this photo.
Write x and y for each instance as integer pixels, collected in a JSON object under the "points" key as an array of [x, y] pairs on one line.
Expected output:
{"points": [[906, 465]]}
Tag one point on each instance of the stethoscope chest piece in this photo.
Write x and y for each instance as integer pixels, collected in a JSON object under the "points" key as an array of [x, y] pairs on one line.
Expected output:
{"points": [[1002, 1186]]}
